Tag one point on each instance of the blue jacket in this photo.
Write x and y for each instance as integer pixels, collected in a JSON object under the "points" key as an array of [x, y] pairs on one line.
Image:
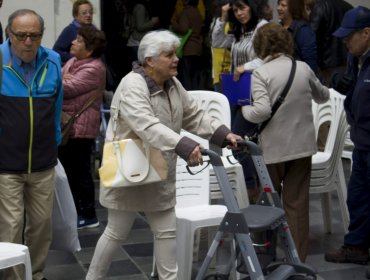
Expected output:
{"points": [[357, 102], [30, 115], [64, 42], [304, 43]]}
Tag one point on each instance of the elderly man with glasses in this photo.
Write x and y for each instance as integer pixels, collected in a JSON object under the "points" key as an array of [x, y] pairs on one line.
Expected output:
{"points": [[30, 107], [82, 12]]}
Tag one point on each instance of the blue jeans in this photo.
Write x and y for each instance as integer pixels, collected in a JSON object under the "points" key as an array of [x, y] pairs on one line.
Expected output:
{"points": [[358, 200]]}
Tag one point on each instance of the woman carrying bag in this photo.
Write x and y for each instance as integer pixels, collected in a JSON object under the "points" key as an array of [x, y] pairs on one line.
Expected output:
{"points": [[154, 107], [288, 140], [83, 83]]}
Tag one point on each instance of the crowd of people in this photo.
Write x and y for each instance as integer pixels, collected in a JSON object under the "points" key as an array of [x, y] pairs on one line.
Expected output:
{"points": [[304, 51]]}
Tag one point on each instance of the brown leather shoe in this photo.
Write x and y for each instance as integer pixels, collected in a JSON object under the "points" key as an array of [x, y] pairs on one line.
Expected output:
{"points": [[348, 254]]}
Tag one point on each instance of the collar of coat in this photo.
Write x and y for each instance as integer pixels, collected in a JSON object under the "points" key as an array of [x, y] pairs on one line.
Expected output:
{"points": [[152, 86]]}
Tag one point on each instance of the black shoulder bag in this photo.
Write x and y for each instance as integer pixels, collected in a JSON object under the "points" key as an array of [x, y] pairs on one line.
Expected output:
{"points": [[258, 129]]}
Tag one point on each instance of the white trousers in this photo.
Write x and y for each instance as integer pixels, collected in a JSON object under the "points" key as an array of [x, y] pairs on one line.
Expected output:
{"points": [[163, 226]]}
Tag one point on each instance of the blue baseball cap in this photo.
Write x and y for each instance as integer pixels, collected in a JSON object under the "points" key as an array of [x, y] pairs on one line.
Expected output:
{"points": [[354, 19]]}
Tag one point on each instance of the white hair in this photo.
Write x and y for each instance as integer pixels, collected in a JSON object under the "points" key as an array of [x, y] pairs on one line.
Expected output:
{"points": [[156, 42]]}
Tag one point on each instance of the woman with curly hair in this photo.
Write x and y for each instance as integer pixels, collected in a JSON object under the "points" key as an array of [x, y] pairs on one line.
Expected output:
{"points": [[288, 141]]}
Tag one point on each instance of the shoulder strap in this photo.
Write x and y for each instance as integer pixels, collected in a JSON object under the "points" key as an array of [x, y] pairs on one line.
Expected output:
{"points": [[282, 96], [89, 102]]}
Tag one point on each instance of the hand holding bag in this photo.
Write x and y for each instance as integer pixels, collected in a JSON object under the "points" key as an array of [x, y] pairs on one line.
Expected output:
{"points": [[128, 163]]}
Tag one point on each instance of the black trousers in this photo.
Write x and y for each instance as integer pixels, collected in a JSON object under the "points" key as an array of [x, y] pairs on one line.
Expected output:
{"points": [[76, 160]]}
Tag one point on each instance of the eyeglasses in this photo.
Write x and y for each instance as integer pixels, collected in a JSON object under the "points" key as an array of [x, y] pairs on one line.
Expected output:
{"points": [[22, 36], [86, 13]]}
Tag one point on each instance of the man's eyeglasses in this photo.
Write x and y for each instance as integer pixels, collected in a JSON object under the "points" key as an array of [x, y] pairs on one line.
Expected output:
{"points": [[22, 36], [86, 13]]}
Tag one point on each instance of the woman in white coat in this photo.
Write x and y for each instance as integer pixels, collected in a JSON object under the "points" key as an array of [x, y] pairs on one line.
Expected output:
{"points": [[153, 106], [288, 140]]}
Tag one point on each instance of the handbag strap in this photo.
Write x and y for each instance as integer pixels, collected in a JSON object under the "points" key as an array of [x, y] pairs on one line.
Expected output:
{"points": [[89, 102], [281, 97], [114, 120]]}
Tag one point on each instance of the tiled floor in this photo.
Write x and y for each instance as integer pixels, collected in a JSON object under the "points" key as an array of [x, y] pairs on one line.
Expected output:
{"points": [[134, 259]]}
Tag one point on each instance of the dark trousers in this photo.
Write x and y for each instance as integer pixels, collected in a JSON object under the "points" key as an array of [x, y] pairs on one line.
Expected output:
{"points": [[291, 180], [358, 200], [189, 71], [76, 160], [241, 126]]}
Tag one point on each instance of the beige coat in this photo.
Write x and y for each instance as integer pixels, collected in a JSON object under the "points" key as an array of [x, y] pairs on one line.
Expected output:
{"points": [[156, 117], [290, 134]]}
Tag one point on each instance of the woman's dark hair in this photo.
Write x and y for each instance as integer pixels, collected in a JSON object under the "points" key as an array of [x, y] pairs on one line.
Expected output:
{"points": [[297, 9], [94, 40], [272, 39], [235, 25]]}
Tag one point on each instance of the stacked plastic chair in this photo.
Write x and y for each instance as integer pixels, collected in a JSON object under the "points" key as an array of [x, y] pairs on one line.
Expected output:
{"points": [[193, 212], [217, 105], [327, 173]]}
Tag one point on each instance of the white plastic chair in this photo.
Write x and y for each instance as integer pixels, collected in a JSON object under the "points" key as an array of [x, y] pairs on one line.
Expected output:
{"points": [[193, 211], [327, 173], [12, 254], [348, 148], [217, 106]]}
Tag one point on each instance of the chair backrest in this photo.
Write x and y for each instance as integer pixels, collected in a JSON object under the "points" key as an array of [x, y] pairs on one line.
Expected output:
{"points": [[340, 138], [321, 114], [192, 190], [215, 104], [328, 111], [337, 107], [335, 153]]}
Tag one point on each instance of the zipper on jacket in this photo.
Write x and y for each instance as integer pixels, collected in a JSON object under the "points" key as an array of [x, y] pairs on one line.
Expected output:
{"points": [[30, 100], [43, 75], [31, 132], [31, 111]]}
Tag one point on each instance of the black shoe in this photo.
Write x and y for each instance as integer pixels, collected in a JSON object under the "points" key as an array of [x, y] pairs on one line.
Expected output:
{"points": [[348, 254], [368, 273]]}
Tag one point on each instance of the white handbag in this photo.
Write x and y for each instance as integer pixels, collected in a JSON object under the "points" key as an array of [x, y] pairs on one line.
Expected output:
{"points": [[128, 163]]}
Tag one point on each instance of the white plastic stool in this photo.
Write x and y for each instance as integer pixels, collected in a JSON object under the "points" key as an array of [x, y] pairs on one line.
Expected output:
{"points": [[12, 254]]}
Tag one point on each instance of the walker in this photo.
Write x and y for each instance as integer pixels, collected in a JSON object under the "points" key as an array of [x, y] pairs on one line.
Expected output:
{"points": [[267, 216]]}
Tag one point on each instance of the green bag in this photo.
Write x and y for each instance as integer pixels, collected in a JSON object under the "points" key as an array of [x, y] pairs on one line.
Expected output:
{"points": [[183, 39]]}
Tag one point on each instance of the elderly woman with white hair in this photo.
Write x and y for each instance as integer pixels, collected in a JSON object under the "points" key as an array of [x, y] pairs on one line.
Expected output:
{"points": [[153, 106]]}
